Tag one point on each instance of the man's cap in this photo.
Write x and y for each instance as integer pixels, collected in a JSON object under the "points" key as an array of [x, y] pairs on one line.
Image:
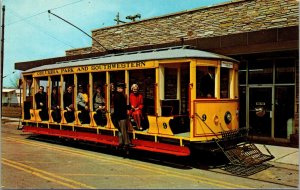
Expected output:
{"points": [[121, 85]]}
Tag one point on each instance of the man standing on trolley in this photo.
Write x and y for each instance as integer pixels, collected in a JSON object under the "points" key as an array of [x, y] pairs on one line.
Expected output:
{"points": [[121, 117]]}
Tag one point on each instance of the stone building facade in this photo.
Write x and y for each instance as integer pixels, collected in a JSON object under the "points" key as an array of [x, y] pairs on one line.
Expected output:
{"points": [[225, 19]]}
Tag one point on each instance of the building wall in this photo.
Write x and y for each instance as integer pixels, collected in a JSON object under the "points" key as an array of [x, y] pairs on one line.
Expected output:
{"points": [[225, 19], [11, 98], [79, 51]]}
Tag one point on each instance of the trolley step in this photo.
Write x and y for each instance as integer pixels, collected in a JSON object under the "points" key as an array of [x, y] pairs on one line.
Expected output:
{"points": [[246, 154]]}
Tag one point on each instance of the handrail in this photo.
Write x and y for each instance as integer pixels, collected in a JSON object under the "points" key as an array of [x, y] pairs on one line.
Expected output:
{"points": [[190, 99]]}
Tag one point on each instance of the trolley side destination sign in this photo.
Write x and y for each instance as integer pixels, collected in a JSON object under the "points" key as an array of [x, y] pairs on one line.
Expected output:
{"points": [[226, 64], [95, 68]]}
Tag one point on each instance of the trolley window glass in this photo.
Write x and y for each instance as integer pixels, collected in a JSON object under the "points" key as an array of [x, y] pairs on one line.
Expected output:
{"points": [[170, 83], [205, 77], [224, 83]]}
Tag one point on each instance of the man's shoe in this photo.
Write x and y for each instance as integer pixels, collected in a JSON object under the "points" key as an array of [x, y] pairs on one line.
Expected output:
{"points": [[130, 145], [120, 146]]}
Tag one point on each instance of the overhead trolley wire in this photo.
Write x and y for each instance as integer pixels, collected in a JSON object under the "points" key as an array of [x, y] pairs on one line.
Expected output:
{"points": [[37, 14], [39, 28], [49, 12], [78, 29]]}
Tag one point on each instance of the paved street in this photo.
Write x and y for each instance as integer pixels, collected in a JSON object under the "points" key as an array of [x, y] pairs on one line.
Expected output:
{"points": [[35, 163]]}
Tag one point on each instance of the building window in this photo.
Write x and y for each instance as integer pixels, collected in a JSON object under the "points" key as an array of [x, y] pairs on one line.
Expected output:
{"points": [[261, 72], [284, 111], [242, 72], [285, 71]]}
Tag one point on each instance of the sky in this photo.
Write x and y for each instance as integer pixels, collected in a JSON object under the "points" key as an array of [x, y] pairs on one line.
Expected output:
{"points": [[31, 33]]}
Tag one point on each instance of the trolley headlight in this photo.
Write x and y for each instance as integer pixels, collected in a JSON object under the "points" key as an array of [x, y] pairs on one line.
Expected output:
{"points": [[227, 117], [203, 118]]}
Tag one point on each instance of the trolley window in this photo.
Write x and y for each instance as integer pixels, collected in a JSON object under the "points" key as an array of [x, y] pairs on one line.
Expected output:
{"points": [[145, 79], [224, 83], [28, 102], [41, 95], [99, 81], [170, 83], [68, 81], [55, 90], [83, 83], [29, 90], [205, 77], [115, 77]]}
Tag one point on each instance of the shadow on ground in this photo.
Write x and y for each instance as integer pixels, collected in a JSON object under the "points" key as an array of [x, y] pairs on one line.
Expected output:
{"points": [[201, 159]]}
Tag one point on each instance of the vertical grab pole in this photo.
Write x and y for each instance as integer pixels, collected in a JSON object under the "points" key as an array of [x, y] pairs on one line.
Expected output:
{"points": [[189, 98], [90, 95], [157, 109], [192, 95]]}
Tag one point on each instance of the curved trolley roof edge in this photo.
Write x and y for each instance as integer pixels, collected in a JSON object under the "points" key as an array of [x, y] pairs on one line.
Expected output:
{"points": [[146, 55]]}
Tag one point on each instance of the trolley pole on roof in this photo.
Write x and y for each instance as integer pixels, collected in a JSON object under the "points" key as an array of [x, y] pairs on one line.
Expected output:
{"points": [[78, 29]]}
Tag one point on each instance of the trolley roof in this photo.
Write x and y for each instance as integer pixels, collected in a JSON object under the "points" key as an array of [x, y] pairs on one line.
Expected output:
{"points": [[145, 55]]}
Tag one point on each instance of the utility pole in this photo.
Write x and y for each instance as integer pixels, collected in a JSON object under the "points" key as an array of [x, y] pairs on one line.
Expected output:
{"points": [[2, 52]]}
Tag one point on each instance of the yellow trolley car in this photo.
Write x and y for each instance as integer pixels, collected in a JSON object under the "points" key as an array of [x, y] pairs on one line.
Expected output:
{"points": [[180, 116]]}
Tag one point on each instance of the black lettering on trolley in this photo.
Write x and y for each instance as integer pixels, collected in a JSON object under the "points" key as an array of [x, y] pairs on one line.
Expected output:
{"points": [[96, 67], [84, 68], [140, 64], [67, 70], [41, 73], [113, 65], [120, 65], [52, 72]]}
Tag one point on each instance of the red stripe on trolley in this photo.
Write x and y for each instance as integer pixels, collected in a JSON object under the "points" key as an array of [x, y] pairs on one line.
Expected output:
{"points": [[112, 140]]}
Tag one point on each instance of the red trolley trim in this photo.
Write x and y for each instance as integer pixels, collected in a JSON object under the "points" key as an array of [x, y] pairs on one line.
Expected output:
{"points": [[111, 140]]}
